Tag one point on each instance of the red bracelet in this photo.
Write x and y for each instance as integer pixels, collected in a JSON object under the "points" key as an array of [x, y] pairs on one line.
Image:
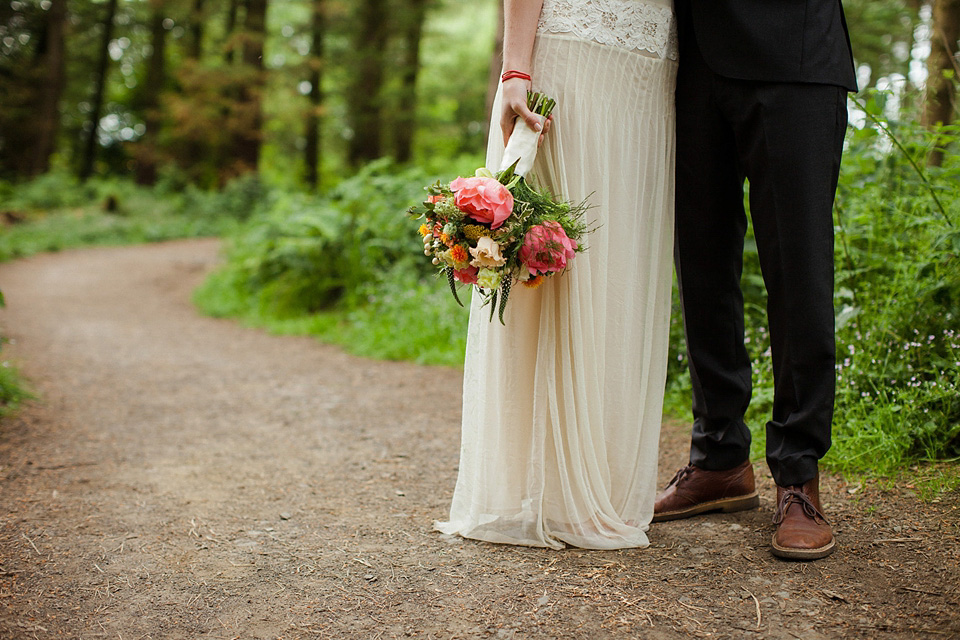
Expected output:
{"points": [[509, 75]]}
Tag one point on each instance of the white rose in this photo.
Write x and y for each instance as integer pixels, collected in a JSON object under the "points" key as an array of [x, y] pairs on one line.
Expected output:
{"points": [[487, 253]]}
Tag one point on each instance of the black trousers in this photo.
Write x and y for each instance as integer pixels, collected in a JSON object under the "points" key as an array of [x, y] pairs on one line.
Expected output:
{"points": [[786, 140]]}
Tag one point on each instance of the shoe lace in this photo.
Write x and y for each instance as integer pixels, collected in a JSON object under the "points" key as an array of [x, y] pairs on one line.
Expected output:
{"points": [[796, 496], [679, 475]]}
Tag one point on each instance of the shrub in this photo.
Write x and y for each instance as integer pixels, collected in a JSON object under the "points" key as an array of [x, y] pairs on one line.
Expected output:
{"points": [[345, 267]]}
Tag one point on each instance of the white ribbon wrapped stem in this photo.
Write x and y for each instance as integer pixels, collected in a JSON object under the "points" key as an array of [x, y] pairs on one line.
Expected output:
{"points": [[523, 146]]}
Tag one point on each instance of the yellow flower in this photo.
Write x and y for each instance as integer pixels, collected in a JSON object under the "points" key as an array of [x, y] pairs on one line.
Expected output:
{"points": [[424, 230], [489, 279], [475, 231]]}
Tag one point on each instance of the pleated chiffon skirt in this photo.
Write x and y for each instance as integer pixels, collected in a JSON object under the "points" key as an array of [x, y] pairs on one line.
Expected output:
{"points": [[562, 405]]}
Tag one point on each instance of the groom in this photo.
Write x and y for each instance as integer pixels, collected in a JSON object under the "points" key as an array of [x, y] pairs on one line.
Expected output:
{"points": [[761, 97]]}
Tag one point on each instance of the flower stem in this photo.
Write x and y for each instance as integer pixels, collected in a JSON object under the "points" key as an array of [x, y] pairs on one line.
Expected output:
{"points": [[540, 103]]}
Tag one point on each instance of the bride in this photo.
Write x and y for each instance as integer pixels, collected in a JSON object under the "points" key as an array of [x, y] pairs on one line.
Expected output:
{"points": [[562, 404]]}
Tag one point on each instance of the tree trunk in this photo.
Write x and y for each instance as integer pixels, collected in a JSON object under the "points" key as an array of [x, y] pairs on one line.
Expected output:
{"points": [[195, 49], [54, 62], [103, 67], [313, 154], [406, 122], [148, 148], [249, 105], [496, 62], [942, 71], [364, 96], [229, 51]]}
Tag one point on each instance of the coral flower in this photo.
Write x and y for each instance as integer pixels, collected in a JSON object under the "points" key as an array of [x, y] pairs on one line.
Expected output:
{"points": [[546, 248], [483, 199], [466, 276]]}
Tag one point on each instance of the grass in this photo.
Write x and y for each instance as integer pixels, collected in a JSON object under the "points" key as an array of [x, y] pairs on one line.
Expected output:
{"points": [[85, 227], [56, 212], [407, 319], [13, 390]]}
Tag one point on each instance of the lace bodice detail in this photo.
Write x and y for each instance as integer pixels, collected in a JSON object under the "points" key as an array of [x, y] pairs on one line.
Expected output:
{"points": [[628, 24]]}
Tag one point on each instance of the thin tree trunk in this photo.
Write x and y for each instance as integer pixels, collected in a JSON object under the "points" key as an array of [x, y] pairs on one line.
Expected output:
{"points": [[48, 116], [195, 153], [313, 152], [364, 97], [941, 92], [103, 67], [195, 50], [146, 172], [230, 27], [249, 106], [407, 108]]}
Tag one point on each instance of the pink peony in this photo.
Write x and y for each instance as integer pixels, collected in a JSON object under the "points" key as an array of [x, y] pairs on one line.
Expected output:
{"points": [[546, 248], [466, 276], [483, 199]]}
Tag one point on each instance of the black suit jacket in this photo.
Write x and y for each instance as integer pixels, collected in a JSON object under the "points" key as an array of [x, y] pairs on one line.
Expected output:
{"points": [[771, 40]]}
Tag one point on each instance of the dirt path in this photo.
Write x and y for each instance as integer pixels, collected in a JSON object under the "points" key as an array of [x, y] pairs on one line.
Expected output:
{"points": [[185, 477]]}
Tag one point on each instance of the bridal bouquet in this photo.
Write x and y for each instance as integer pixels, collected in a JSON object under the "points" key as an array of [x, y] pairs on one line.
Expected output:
{"points": [[494, 229]]}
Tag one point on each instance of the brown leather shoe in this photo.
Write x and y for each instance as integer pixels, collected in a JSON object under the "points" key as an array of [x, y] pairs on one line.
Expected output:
{"points": [[694, 491], [802, 531]]}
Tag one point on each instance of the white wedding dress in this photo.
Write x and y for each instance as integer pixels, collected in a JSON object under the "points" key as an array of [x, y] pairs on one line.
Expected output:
{"points": [[562, 405]]}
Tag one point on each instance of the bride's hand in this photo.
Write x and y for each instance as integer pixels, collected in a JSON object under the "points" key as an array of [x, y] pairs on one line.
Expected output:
{"points": [[514, 105]]}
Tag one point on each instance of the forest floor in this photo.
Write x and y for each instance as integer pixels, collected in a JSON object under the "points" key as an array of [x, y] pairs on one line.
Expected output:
{"points": [[186, 477]]}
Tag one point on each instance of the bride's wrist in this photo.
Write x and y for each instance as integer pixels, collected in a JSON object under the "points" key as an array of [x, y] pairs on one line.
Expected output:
{"points": [[511, 74]]}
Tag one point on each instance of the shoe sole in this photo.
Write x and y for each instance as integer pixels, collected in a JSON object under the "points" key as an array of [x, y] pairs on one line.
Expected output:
{"points": [[789, 553], [726, 505]]}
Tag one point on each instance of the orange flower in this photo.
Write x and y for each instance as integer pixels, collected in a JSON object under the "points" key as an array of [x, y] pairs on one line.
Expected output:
{"points": [[445, 239], [533, 283], [459, 255], [424, 230]]}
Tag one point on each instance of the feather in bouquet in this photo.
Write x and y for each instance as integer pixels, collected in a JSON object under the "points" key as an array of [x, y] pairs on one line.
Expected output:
{"points": [[493, 230]]}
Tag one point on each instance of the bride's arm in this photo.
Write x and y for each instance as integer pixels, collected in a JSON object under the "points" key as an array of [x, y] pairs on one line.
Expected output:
{"points": [[520, 18]]}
